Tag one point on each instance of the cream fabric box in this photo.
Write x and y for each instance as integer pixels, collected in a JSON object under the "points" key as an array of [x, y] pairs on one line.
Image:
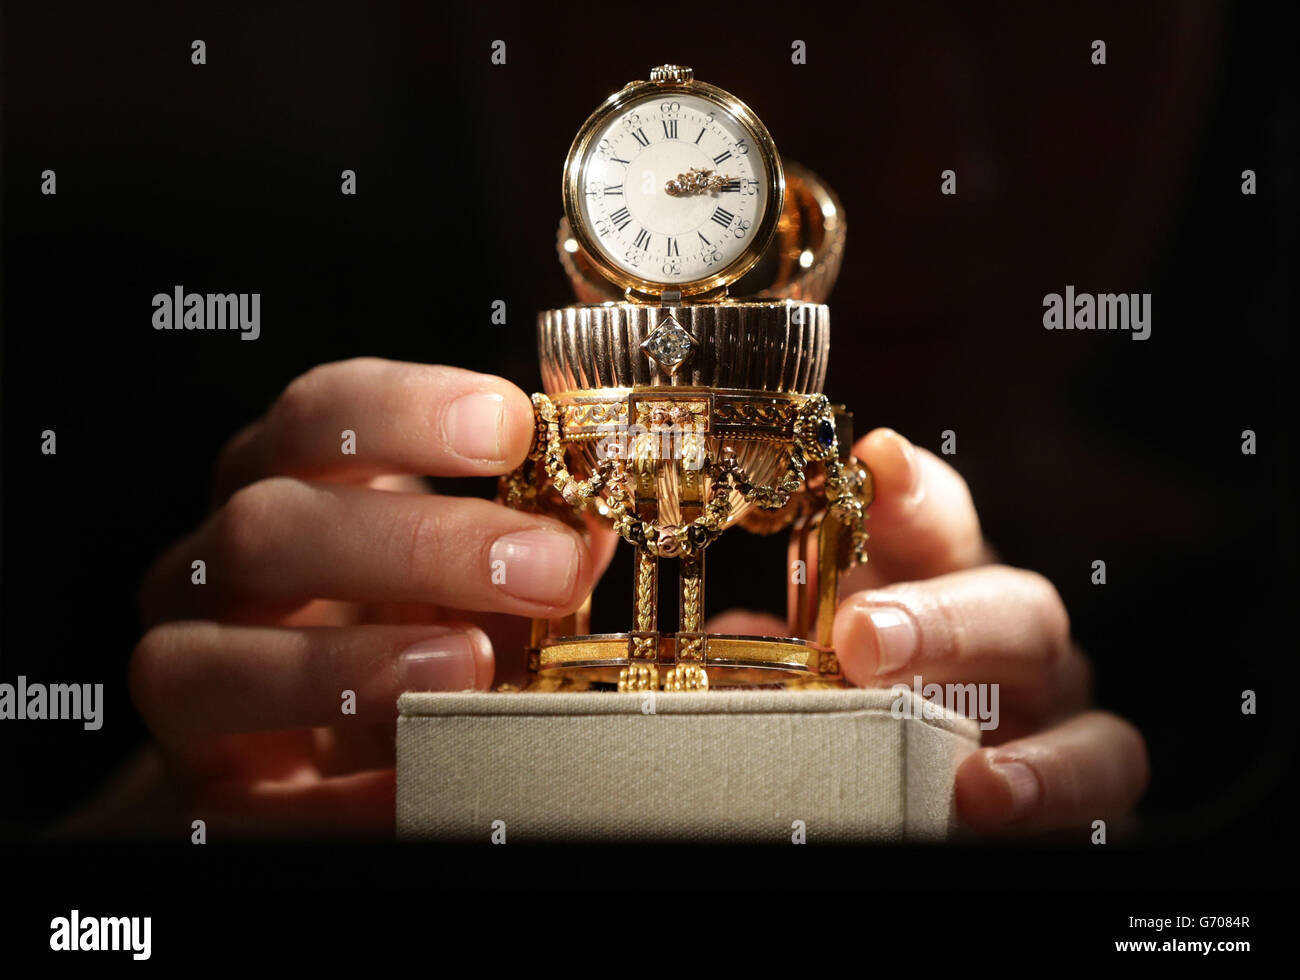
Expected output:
{"points": [[739, 766]]}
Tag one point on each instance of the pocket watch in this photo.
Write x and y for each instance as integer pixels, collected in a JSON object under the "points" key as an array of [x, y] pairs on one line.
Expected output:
{"points": [[673, 187]]}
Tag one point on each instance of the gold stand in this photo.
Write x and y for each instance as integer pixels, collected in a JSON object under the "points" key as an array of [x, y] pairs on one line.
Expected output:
{"points": [[672, 500]]}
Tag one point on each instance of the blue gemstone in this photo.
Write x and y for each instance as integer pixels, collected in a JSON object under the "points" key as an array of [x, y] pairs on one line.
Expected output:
{"points": [[826, 434]]}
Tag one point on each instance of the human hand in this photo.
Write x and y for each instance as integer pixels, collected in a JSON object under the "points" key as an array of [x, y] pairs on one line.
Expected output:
{"points": [[930, 604], [330, 572]]}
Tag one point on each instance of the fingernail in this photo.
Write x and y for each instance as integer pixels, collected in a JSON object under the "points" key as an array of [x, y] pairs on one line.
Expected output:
{"points": [[440, 663], [473, 424], [1022, 786], [536, 566], [896, 637]]}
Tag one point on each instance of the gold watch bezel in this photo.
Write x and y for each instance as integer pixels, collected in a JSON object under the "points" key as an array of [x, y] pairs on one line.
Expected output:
{"points": [[637, 287]]}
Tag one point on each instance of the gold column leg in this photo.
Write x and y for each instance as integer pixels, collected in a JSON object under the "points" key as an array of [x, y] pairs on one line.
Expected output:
{"points": [[830, 544], [642, 671], [829, 535], [689, 650], [688, 673], [642, 674], [801, 579]]}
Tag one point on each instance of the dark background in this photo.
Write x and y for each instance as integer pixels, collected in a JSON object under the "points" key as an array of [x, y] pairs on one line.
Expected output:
{"points": [[1077, 446]]}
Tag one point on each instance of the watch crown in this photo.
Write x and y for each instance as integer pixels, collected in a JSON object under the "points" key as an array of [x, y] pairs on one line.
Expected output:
{"points": [[672, 73]]}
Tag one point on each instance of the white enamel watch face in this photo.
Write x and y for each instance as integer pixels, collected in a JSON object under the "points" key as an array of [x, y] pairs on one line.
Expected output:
{"points": [[672, 189]]}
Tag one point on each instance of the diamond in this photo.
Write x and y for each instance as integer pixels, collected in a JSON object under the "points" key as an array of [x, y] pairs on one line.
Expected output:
{"points": [[669, 345]]}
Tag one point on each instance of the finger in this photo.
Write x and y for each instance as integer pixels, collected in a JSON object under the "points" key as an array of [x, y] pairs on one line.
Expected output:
{"points": [[400, 483], [420, 419], [318, 612], [281, 542], [340, 750], [1092, 767], [330, 612], [247, 756], [922, 519], [994, 625], [745, 622], [360, 804], [194, 679]]}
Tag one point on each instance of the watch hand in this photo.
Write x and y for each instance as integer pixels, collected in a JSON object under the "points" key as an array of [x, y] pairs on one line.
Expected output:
{"points": [[695, 180]]}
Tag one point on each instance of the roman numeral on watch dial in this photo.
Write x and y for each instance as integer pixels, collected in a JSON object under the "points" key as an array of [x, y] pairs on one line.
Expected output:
{"points": [[621, 218], [724, 155], [643, 240], [640, 136], [723, 217], [670, 129]]}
